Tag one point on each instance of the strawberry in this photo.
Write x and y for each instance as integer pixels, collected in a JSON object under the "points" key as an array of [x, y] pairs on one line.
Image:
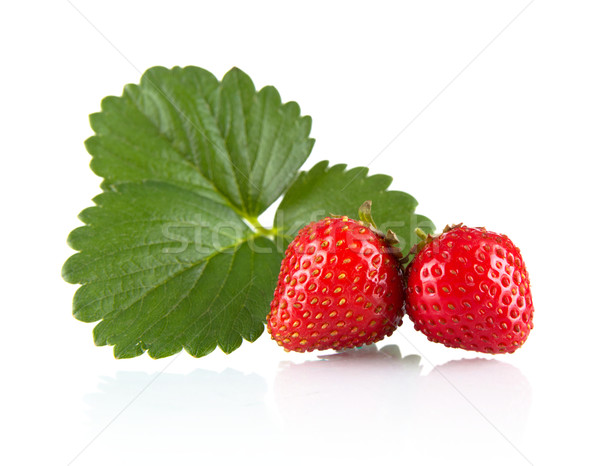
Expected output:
{"points": [[468, 288], [340, 286]]}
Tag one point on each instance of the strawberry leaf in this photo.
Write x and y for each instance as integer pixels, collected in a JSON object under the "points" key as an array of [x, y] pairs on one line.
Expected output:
{"points": [[183, 126], [325, 190], [166, 269]]}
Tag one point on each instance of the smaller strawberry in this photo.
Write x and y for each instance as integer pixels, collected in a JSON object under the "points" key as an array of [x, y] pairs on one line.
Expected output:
{"points": [[468, 288], [340, 286]]}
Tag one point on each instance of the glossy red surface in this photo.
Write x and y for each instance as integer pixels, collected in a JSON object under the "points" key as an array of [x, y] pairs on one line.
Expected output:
{"points": [[469, 289], [338, 288]]}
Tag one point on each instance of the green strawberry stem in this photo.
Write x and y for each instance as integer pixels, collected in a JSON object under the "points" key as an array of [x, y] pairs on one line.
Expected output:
{"points": [[421, 234], [428, 238], [425, 239], [364, 214]]}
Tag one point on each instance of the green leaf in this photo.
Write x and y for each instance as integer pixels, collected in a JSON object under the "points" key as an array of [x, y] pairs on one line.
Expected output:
{"points": [[185, 127], [166, 268], [325, 190]]}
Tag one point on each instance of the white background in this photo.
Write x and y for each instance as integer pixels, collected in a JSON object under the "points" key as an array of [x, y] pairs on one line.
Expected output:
{"points": [[486, 111]]}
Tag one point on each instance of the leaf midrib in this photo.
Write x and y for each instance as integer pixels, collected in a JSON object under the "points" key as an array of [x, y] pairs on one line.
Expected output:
{"points": [[226, 199]]}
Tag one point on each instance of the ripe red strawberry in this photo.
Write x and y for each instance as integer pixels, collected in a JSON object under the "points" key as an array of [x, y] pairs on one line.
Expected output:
{"points": [[340, 286], [468, 288]]}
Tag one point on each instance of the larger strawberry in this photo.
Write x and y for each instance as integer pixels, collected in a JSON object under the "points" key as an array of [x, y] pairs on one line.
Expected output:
{"points": [[468, 288], [340, 286]]}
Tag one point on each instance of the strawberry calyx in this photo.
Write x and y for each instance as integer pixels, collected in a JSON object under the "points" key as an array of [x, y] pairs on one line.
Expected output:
{"points": [[389, 237], [426, 238]]}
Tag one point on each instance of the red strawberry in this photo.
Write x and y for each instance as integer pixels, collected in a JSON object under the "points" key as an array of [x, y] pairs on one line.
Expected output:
{"points": [[468, 288], [340, 286]]}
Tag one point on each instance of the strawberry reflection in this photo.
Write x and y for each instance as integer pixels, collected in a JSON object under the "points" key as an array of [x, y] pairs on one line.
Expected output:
{"points": [[348, 388], [484, 399]]}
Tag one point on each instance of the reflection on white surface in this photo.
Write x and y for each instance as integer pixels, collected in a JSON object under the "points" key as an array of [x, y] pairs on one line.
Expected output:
{"points": [[484, 400], [200, 403], [459, 395], [344, 389], [464, 408]]}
